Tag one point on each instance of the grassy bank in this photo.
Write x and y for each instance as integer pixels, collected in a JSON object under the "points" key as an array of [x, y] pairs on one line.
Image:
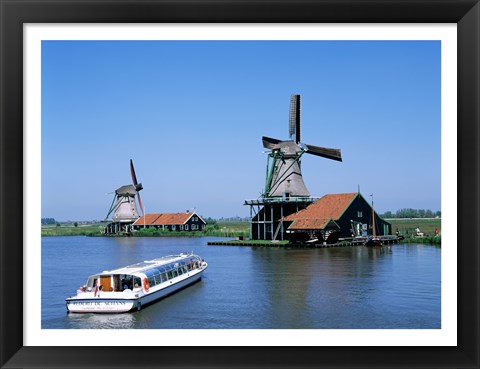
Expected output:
{"points": [[242, 229], [407, 226], [220, 229], [225, 230], [430, 240], [71, 230]]}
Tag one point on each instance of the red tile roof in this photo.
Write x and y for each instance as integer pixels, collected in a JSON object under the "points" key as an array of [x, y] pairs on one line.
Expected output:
{"points": [[173, 218], [164, 219], [146, 219], [306, 224], [328, 207]]}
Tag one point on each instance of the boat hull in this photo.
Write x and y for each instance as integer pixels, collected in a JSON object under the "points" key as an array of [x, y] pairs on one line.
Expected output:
{"points": [[101, 305], [114, 305], [165, 291], [373, 243]]}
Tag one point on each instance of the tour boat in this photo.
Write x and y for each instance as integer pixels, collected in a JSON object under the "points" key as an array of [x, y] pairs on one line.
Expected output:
{"points": [[131, 287]]}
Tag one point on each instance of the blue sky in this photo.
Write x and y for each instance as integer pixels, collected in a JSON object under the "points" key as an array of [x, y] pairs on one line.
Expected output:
{"points": [[191, 115]]}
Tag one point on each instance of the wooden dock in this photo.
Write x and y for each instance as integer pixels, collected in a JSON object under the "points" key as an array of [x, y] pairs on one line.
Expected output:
{"points": [[343, 242]]}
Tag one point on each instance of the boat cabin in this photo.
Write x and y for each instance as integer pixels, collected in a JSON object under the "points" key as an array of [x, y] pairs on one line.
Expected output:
{"points": [[133, 277]]}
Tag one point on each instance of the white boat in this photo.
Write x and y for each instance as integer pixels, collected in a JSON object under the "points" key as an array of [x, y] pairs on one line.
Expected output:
{"points": [[131, 287]]}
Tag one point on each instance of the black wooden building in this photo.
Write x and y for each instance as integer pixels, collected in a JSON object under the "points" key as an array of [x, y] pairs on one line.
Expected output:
{"points": [[350, 212]]}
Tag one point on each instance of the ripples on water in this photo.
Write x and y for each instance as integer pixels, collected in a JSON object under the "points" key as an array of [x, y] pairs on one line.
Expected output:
{"points": [[244, 287]]}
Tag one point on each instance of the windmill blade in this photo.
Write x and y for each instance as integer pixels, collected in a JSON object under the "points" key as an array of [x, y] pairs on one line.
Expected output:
{"points": [[132, 172], [138, 186], [140, 202], [334, 154], [294, 126], [270, 143]]}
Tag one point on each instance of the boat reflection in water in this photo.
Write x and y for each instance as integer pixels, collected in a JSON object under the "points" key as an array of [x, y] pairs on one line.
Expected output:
{"points": [[131, 287]]}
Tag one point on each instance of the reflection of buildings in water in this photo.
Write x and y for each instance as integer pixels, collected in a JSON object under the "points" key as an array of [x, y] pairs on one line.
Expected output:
{"points": [[318, 281], [284, 275]]}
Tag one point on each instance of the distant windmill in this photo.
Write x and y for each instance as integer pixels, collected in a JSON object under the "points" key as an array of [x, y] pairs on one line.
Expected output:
{"points": [[123, 207], [284, 176]]}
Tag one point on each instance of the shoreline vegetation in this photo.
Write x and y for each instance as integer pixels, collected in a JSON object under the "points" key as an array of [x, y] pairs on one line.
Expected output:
{"points": [[240, 229]]}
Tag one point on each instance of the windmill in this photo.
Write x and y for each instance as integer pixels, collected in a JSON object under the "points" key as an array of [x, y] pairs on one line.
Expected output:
{"points": [[284, 176], [285, 192], [123, 206]]}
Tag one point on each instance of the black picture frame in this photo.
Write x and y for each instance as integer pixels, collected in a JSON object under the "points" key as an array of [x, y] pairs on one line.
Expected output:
{"points": [[14, 14]]}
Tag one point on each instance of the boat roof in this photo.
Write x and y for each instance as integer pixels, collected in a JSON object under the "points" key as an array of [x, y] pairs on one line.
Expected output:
{"points": [[147, 264]]}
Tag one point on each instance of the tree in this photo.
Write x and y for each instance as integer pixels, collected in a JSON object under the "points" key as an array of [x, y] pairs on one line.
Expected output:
{"points": [[47, 221]]}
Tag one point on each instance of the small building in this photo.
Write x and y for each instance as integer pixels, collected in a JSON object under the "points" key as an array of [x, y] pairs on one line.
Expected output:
{"points": [[188, 221], [342, 215]]}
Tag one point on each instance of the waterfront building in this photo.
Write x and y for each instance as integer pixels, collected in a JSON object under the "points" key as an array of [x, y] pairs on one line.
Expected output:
{"points": [[344, 214], [188, 221]]}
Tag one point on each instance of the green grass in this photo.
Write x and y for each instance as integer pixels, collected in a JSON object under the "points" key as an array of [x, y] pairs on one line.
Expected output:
{"points": [[70, 230], [407, 226], [221, 229]]}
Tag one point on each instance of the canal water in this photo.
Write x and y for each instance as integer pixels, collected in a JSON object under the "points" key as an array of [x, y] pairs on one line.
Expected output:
{"points": [[396, 287]]}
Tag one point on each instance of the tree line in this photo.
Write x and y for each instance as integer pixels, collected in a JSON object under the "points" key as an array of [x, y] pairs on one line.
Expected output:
{"points": [[412, 213], [47, 221]]}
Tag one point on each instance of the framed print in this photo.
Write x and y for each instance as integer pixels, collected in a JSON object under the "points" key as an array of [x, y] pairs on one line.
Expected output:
{"points": [[46, 41]]}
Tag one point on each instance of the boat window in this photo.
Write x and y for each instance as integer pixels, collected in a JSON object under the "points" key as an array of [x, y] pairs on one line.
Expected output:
{"points": [[126, 282], [151, 281], [180, 270], [170, 274], [136, 282], [151, 272], [158, 278], [164, 277]]}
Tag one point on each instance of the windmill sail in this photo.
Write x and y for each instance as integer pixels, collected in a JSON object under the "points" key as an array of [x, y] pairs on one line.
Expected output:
{"points": [[294, 118]]}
